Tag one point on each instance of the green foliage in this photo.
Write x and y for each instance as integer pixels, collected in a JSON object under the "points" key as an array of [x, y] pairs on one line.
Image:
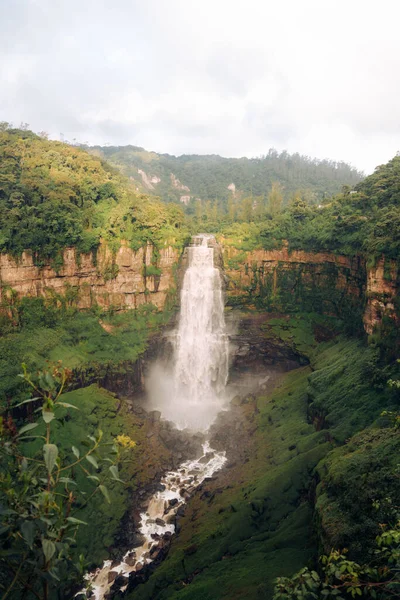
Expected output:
{"points": [[41, 492], [53, 195], [208, 177], [340, 578], [92, 345]]}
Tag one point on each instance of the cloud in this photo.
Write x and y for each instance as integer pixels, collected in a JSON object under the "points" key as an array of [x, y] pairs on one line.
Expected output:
{"points": [[235, 78]]}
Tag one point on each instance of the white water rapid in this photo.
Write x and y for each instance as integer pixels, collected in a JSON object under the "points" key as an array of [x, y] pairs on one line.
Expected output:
{"points": [[191, 398], [157, 523]]}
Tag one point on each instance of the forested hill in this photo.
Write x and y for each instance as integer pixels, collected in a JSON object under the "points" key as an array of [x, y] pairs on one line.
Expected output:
{"points": [[211, 177], [53, 195]]}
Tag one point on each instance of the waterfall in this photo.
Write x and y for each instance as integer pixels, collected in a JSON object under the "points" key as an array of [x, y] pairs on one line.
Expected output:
{"points": [[191, 393], [201, 361]]}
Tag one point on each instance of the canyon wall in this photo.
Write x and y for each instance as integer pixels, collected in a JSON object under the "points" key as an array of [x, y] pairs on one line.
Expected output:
{"points": [[118, 280], [321, 282], [268, 279]]}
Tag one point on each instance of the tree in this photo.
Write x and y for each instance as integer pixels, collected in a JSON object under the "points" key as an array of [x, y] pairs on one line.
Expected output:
{"points": [[40, 492], [275, 199]]}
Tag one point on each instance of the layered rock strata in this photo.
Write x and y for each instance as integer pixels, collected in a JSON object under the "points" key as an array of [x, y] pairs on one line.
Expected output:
{"points": [[109, 280]]}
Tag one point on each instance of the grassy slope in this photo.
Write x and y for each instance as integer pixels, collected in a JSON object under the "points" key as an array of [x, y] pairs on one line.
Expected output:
{"points": [[79, 341], [259, 524]]}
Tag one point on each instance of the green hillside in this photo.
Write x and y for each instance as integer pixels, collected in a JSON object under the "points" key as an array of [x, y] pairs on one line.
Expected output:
{"points": [[208, 177], [53, 195]]}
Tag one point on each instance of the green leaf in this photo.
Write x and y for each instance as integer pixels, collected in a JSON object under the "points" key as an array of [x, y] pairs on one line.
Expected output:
{"points": [[115, 474], [67, 480], [50, 452], [93, 477], [92, 461], [105, 493], [28, 427], [27, 401], [76, 451], [48, 415], [48, 549], [76, 521], [66, 405], [114, 471], [28, 532]]}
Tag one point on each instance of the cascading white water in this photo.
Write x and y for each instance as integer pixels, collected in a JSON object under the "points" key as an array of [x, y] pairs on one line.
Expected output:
{"points": [[195, 398], [201, 362]]}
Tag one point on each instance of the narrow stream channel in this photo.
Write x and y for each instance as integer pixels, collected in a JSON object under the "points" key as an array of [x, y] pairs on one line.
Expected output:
{"points": [[192, 397]]}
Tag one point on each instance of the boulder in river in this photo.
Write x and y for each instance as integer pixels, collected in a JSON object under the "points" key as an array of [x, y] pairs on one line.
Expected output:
{"points": [[137, 540], [112, 575]]}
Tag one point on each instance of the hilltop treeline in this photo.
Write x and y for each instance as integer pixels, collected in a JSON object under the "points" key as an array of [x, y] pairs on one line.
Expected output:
{"points": [[208, 177]]}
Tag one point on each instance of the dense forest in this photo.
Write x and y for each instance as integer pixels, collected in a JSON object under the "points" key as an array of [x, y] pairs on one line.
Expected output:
{"points": [[53, 195], [309, 506], [214, 178]]}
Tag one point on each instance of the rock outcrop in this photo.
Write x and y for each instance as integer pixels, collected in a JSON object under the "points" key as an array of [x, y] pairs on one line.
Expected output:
{"points": [[104, 279], [321, 281], [383, 284]]}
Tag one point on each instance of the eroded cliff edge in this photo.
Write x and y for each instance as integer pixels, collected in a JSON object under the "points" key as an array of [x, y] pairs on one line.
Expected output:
{"points": [[126, 279]]}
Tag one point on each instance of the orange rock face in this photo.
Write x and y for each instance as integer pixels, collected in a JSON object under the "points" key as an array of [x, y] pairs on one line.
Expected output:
{"points": [[375, 287], [107, 281], [382, 289]]}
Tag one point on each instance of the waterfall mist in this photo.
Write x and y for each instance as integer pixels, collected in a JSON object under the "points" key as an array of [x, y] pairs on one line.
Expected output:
{"points": [[191, 392]]}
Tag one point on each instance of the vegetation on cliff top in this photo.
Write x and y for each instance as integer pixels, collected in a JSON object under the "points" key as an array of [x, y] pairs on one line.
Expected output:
{"points": [[53, 195]]}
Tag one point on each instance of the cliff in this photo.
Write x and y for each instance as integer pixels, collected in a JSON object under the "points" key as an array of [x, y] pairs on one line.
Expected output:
{"points": [[322, 282], [269, 279], [104, 279], [383, 284]]}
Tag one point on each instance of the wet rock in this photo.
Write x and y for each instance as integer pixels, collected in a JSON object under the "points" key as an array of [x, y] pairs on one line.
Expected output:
{"points": [[173, 501], [138, 567], [119, 581], [160, 522], [137, 540], [206, 458], [112, 576], [236, 401], [181, 510], [155, 416], [130, 561]]}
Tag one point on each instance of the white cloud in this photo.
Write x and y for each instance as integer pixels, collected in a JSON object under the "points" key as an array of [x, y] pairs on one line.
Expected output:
{"points": [[208, 76]]}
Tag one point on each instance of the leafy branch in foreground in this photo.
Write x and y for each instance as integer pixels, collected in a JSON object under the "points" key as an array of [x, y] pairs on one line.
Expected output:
{"points": [[340, 578], [40, 491]]}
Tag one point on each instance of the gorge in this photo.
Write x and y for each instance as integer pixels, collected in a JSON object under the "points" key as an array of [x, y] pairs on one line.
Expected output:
{"points": [[249, 377]]}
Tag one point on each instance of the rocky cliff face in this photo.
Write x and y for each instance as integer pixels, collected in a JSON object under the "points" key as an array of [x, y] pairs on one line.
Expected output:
{"points": [[104, 279], [298, 280], [383, 285], [270, 279]]}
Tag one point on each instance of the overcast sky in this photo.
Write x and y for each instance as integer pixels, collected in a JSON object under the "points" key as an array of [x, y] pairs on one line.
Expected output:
{"points": [[230, 77]]}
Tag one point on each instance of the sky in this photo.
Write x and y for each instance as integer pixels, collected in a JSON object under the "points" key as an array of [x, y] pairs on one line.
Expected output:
{"points": [[229, 77]]}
